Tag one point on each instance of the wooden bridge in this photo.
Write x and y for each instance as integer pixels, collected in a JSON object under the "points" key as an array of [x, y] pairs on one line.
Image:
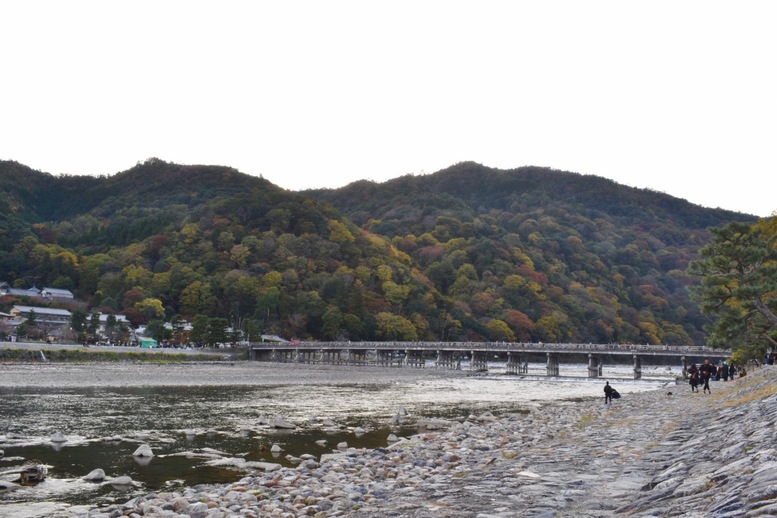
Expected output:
{"points": [[478, 355]]}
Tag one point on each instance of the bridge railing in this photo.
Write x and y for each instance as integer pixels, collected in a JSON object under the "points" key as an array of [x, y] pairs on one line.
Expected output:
{"points": [[505, 346]]}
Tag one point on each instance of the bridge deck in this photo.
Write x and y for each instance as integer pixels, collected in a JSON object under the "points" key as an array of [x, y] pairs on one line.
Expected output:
{"points": [[479, 355], [504, 347]]}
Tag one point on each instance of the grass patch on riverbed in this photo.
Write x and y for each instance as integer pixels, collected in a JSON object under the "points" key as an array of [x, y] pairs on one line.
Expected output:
{"points": [[749, 394], [86, 355], [586, 420]]}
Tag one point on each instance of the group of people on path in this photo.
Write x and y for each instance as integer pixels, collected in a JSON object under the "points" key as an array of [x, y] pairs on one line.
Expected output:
{"points": [[707, 371], [698, 375]]}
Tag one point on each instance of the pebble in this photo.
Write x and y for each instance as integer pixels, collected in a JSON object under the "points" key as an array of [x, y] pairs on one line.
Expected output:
{"points": [[646, 454]]}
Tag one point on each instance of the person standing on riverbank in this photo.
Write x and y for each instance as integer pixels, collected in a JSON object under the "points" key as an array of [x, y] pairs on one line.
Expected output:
{"points": [[693, 372], [607, 392], [707, 370]]}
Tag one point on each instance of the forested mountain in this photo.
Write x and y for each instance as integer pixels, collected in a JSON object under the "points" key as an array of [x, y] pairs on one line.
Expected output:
{"points": [[468, 253]]}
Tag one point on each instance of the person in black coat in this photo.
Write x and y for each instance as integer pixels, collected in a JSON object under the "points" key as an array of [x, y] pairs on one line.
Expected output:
{"points": [[607, 392], [707, 370], [693, 373]]}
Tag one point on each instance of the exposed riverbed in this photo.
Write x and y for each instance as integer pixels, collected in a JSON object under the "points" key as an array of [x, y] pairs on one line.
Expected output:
{"points": [[107, 410]]}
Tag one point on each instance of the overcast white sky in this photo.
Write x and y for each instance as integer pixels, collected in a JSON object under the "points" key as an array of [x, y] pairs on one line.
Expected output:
{"points": [[676, 96]]}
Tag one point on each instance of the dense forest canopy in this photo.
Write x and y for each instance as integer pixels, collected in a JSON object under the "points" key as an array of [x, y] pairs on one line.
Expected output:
{"points": [[468, 253]]}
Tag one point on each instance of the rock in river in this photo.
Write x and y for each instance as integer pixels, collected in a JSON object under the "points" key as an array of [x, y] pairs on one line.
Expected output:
{"points": [[96, 475], [144, 450], [58, 437]]}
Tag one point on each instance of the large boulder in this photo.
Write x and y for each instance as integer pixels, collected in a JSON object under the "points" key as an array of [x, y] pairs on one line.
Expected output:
{"points": [[434, 424], [96, 475], [121, 481], [144, 450], [282, 424], [264, 466], [58, 438], [326, 457]]}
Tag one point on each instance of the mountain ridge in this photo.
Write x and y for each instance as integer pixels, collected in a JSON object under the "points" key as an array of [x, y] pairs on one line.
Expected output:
{"points": [[468, 252]]}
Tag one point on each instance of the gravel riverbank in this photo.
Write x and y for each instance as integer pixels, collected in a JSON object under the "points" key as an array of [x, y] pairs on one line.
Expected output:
{"points": [[648, 454]]}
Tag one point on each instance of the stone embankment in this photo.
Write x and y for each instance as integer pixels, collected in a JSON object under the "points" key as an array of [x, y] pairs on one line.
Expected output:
{"points": [[649, 454]]}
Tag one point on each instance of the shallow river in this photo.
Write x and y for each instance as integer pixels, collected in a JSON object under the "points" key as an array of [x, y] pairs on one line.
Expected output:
{"points": [[104, 426]]}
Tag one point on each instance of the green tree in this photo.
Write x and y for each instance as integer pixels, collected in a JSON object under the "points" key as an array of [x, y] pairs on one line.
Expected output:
{"points": [[32, 319], [151, 308], [354, 327], [78, 323], [111, 327], [93, 327], [253, 330], [498, 330], [196, 298], [156, 329], [28, 328], [738, 271], [179, 331], [217, 330], [394, 293], [395, 327], [267, 302], [339, 233], [199, 332], [333, 323]]}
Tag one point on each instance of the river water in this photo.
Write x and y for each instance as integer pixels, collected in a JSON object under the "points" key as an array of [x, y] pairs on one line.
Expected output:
{"points": [[185, 422]]}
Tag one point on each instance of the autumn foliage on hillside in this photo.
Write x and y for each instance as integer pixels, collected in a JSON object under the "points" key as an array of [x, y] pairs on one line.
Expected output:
{"points": [[468, 253]]}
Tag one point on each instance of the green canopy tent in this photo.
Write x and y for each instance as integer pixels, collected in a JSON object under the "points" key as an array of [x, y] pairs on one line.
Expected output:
{"points": [[147, 343]]}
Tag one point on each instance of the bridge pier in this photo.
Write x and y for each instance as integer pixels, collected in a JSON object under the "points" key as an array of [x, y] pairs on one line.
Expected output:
{"points": [[307, 356], [330, 357], [515, 365], [415, 359], [262, 355], [552, 365], [478, 361], [685, 367], [284, 356], [448, 359], [387, 359], [594, 366], [356, 357], [637, 367]]}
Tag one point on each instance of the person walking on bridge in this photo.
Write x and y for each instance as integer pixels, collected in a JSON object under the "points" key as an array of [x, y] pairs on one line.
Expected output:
{"points": [[707, 370]]}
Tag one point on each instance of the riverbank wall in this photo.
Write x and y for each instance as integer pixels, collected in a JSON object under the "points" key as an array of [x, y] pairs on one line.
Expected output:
{"points": [[670, 452]]}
